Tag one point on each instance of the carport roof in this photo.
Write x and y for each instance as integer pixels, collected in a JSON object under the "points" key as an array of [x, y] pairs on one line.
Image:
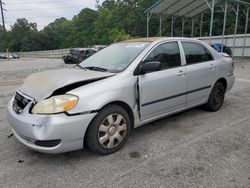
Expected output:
{"points": [[184, 8]]}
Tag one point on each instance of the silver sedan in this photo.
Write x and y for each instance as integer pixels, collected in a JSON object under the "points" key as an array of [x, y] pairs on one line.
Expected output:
{"points": [[123, 86]]}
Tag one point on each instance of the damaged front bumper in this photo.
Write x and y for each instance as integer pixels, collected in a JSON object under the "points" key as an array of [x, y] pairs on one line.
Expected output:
{"points": [[55, 133]]}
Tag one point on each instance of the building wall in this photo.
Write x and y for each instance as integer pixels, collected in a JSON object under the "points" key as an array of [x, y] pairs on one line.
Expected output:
{"points": [[229, 40]]}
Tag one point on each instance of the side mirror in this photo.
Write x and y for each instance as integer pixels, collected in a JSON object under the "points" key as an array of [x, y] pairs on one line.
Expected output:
{"points": [[151, 66]]}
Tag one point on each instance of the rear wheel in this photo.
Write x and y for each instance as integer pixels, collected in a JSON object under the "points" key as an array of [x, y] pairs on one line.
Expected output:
{"points": [[216, 97], [109, 130]]}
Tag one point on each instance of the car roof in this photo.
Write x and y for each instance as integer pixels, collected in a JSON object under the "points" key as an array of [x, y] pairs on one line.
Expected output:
{"points": [[149, 39], [154, 39]]}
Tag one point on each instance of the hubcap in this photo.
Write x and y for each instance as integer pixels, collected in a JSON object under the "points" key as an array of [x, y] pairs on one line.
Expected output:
{"points": [[112, 131]]}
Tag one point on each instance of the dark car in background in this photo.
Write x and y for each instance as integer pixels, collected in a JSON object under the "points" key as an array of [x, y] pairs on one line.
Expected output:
{"points": [[76, 56], [218, 47]]}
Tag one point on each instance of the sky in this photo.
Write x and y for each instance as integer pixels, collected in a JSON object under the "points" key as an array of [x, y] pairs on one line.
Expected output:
{"points": [[43, 12]]}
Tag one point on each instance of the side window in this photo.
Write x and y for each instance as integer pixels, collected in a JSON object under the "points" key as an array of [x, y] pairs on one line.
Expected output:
{"points": [[196, 53], [168, 54]]}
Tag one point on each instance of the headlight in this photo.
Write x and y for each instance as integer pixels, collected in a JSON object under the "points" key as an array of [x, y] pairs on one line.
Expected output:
{"points": [[56, 104]]}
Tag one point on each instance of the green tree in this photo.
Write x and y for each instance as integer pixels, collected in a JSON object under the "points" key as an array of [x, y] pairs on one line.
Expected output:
{"points": [[83, 27], [56, 32], [21, 29]]}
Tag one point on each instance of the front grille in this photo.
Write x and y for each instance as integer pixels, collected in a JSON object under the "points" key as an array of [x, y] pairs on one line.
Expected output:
{"points": [[20, 102]]}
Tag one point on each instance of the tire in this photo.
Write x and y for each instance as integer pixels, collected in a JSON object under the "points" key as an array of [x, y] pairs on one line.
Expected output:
{"points": [[109, 130], [216, 98]]}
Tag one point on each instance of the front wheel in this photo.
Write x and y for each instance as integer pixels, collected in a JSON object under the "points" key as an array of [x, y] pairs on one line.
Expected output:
{"points": [[216, 97], [109, 130]]}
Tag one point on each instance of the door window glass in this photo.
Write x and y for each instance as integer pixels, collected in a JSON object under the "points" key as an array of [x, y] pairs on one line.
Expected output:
{"points": [[196, 53], [168, 54]]}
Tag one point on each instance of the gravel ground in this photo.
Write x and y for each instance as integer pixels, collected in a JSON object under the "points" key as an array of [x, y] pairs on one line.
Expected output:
{"points": [[191, 149]]}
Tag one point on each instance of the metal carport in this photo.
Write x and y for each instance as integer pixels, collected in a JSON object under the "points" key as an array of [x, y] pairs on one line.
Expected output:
{"points": [[189, 9]]}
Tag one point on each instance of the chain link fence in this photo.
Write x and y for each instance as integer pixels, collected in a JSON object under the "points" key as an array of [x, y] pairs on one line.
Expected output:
{"points": [[45, 54]]}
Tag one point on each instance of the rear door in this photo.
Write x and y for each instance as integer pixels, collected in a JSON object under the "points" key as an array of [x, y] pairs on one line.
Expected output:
{"points": [[201, 72], [163, 91]]}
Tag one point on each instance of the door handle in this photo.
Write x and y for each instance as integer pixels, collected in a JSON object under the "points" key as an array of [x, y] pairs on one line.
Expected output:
{"points": [[212, 66], [181, 73]]}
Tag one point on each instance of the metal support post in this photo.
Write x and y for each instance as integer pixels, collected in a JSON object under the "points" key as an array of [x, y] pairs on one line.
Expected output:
{"points": [[224, 26], [245, 34], [192, 31], [211, 22], [160, 25], [201, 24], [235, 28], [147, 24], [148, 19], [172, 27], [182, 27]]}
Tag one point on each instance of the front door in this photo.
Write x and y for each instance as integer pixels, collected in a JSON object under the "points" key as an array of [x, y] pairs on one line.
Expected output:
{"points": [[163, 91]]}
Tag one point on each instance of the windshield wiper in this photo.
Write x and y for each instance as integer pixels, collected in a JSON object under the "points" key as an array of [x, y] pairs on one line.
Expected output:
{"points": [[80, 67], [97, 69]]}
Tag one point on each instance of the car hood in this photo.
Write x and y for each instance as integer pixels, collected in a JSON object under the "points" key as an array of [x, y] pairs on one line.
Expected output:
{"points": [[43, 84]]}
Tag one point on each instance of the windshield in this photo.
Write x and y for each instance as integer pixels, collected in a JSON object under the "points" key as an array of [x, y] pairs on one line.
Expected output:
{"points": [[116, 57]]}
